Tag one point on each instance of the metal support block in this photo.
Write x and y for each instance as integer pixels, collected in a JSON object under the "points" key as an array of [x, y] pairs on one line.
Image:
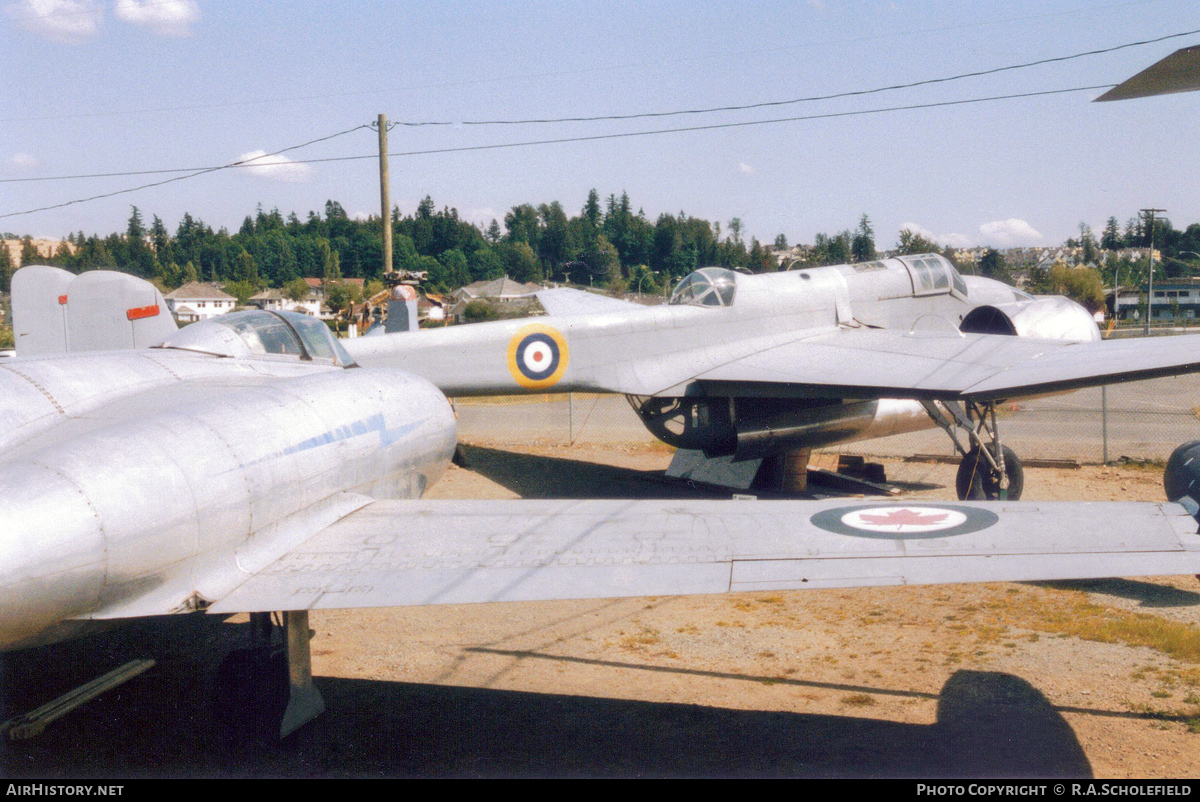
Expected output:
{"points": [[304, 700]]}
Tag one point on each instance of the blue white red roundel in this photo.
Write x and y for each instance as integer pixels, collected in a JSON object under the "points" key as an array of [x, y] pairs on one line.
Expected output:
{"points": [[537, 356]]}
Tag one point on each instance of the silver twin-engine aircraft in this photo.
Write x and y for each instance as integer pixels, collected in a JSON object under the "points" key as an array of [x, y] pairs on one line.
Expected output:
{"points": [[246, 463], [739, 368]]}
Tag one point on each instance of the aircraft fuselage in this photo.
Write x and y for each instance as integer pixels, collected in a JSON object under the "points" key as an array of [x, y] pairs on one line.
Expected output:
{"points": [[150, 479]]}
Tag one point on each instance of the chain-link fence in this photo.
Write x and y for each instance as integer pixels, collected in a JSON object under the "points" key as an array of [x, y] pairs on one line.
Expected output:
{"points": [[1139, 420]]}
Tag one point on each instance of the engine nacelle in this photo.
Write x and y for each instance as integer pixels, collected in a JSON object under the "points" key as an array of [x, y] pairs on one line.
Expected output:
{"points": [[1182, 474], [753, 428], [1049, 318]]}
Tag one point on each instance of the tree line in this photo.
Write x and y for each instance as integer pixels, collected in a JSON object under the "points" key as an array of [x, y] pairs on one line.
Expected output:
{"points": [[606, 244]]}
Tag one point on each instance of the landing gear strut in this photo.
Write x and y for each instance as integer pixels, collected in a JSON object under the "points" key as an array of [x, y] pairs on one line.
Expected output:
{"points": [[989, 470], [265, 690]]}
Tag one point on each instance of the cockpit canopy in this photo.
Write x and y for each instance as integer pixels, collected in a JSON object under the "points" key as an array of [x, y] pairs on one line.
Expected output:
{"points": [[708, 286], [933, 274], [270, 334]]}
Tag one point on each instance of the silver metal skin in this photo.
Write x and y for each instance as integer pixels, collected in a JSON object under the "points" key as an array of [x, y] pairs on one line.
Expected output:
{"points": [[142, 482], [830, 333], [247, 465]]}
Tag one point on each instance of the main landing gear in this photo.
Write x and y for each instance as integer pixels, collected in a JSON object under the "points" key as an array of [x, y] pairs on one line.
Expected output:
{"points": [[989, 470], [265, 691]]}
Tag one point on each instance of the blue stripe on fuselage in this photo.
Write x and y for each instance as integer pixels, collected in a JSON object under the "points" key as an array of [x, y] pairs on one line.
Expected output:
{"points": [[372, 425]]}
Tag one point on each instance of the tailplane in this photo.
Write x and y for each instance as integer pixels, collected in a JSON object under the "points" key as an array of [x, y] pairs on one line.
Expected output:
{"points": [[55, 311]]}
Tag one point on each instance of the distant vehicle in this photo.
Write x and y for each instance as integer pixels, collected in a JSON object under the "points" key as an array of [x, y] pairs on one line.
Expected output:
{"points": [[738, 369]]}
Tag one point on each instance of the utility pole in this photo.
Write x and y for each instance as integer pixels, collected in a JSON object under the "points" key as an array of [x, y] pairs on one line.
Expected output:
{"points": [[385, 194], [1150, 289]]}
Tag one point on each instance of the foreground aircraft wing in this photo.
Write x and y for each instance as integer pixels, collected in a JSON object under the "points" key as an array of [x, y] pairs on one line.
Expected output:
{"points": [[868, 363], [566, 301], [396, 553]]}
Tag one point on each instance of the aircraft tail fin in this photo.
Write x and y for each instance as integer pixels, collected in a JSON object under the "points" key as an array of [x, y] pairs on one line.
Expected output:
{"points": [[566, 301], [55, 311]]}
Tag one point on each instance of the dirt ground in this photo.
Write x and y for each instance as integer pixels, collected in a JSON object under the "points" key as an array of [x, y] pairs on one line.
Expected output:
{"points": [[1065, 679]]}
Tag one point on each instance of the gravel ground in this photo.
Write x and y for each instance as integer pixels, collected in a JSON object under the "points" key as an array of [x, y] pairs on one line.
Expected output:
{"points": [[987, 680]]}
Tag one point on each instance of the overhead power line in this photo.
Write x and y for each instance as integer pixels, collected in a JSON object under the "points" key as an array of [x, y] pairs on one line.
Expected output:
{"points": [[810, 98], [650, 115], [193, 172], [578, 71]]}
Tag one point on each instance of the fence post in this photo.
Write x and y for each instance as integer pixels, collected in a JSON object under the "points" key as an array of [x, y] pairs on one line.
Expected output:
{"points": [[1104, 418]]}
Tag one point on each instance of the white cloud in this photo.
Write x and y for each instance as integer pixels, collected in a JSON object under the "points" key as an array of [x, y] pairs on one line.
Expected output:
{"points": [[23, 161], [65, 21], [745, 168], [1009, 233], [163, 17], [953, 240], [918, 230], [482, 217], [275, 167]]}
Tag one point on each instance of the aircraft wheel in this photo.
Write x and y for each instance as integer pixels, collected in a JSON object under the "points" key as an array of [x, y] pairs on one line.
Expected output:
{"points": [[978, 481], [251, 693]]}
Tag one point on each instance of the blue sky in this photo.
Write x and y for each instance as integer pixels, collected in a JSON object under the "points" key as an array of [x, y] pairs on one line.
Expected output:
{"points": [[100, 87]]}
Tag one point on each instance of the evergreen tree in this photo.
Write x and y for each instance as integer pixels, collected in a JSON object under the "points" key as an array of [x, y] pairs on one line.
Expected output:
{"points": [[29, 252], [863, 243], [1110, 240], [6, 267]]}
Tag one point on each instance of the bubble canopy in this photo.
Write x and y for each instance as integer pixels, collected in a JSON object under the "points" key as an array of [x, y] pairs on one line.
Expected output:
{"points": [[269, 334], [708, 286]]}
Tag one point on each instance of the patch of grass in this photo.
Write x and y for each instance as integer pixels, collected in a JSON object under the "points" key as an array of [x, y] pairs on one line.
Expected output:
{"points": [[1161, 695], [858, 700], [1071, 614], [647, 637]]}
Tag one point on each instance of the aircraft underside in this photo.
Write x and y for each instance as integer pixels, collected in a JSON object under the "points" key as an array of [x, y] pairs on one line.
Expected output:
{"points": [[726, 440]]}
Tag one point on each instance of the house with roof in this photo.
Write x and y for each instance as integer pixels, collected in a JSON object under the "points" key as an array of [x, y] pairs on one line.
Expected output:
{"points": [[198, 300], [502, 291]]}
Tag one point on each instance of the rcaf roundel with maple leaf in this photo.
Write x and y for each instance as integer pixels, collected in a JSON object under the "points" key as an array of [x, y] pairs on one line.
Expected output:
{"points": [[906, 521]]}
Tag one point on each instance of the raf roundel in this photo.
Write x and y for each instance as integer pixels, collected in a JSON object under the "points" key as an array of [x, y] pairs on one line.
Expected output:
{"points": [[537, 356]]}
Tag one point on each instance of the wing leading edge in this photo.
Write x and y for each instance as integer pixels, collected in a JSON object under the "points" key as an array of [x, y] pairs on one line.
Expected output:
{"points": [[946, 365], [398, 553]]}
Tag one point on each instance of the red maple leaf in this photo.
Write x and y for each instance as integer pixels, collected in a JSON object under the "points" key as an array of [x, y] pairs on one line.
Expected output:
{"points": [[903, 517]]}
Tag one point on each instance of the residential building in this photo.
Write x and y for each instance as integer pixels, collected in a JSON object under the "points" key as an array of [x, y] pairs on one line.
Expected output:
{"points": [[198, 300], [1174, 299]]}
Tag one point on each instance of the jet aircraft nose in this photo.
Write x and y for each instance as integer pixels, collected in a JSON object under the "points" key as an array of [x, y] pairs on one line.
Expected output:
{"points": [[52, 555]]}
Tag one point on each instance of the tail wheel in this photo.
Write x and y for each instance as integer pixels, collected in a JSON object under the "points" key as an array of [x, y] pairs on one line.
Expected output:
{"points": [[977, 480]]}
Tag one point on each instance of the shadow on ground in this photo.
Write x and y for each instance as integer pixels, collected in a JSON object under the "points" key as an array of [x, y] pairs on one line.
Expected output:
{"points": [[988, 725], [535, 476], [1147, 594]]}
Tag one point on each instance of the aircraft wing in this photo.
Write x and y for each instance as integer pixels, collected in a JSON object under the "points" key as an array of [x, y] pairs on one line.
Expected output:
{"points": [[867, 363], [396, 553], [564, 301]]}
